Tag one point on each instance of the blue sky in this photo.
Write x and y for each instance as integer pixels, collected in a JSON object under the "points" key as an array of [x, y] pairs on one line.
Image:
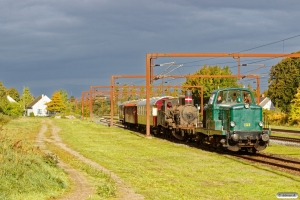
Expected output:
{"points": [[71, 45]]}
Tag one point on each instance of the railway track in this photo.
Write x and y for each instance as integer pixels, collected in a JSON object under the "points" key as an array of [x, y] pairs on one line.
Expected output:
{"points": [[289, 165], [286, 139], [285, 131], [106, 121]]}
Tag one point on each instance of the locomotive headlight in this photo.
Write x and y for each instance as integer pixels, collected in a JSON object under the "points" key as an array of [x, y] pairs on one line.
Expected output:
{"points": [[232, 124], [247, 105], [261, 124], [235, 137], [265, 137]]}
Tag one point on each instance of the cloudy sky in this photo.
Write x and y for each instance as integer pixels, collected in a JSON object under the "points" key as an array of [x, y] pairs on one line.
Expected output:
{"points": [[49, 45]]}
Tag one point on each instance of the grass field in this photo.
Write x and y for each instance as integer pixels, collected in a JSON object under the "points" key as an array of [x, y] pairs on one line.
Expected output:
{"points": [[159, 169], [25, 172], [292, 151]]}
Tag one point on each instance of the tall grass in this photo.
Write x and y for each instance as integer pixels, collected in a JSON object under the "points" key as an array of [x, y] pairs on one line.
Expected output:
{"points": [[25, 171], [4, 119]]}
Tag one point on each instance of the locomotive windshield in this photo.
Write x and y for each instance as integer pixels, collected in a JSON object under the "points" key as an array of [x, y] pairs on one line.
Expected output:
{"points": [[231, 96]]}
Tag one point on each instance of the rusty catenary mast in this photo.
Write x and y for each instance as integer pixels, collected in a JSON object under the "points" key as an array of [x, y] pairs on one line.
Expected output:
{"points": [[151, 56]]}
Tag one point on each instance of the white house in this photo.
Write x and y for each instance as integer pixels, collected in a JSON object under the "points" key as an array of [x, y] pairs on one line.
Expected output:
{"points": [[11, 99], [266, 103], [38, 106]]}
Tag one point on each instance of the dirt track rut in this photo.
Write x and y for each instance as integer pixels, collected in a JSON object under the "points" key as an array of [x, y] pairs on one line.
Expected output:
{"points": [[83, 190]]}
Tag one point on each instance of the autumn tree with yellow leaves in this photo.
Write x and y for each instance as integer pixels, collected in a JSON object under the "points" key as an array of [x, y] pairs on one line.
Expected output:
{"points": [[56, 105], [294, 115]]}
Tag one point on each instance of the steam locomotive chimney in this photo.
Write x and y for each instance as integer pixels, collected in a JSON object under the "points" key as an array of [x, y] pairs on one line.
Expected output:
{"points": [[188, 97]]}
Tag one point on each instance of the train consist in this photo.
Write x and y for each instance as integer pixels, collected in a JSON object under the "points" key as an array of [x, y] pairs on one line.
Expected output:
{"points": [[231, 119], [170, 116]]}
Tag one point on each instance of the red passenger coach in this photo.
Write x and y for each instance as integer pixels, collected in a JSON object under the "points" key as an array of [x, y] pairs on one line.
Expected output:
{"points": [[130, 114], [155, 106]]}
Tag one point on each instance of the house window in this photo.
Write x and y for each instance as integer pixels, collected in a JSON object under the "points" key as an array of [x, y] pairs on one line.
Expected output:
{"points": [[39, 111]]}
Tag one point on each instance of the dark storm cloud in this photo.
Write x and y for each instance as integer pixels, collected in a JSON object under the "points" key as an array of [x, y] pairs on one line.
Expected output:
{"points": [[49, 45]]}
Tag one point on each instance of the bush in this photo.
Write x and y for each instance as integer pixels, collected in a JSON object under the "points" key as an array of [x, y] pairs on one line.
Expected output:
{"points": [[31, 114], [275, 117], [13, 109]]}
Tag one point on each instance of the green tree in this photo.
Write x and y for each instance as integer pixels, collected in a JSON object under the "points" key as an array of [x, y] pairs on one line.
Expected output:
{"points": [[294, 115], [26, 97], [3, 98], [100, 105], [249, 86], [210, 84], [66, 101], [6, 107], [56, 104], [142, 92], [74, 105], [283, 82], [124, 93], [265, 93], [64, 95], [133, 92], [13, 109], [13, 93], [160, 91]]}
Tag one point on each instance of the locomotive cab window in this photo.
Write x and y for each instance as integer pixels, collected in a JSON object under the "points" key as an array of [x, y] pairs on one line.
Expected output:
{"points": [[221, 97], [247, 97], [169, 105], [211, 98], [233, 96]]}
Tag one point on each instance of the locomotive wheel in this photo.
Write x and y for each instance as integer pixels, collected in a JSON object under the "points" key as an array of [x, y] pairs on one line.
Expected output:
{"points": [[169, 134], [254, 150], [201, 139], [165, 133]]}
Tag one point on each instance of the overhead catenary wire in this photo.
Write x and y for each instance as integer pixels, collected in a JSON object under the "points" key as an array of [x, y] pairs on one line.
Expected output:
{"points": [[285, 39], [249, 49]]}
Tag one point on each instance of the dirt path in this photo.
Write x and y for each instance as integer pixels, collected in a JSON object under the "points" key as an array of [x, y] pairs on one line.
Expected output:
{"points": [[124, 192], [83, 189]]}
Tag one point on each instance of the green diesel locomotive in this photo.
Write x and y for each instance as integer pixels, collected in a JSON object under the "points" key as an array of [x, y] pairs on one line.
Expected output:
{"points": [[233, 120]]}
